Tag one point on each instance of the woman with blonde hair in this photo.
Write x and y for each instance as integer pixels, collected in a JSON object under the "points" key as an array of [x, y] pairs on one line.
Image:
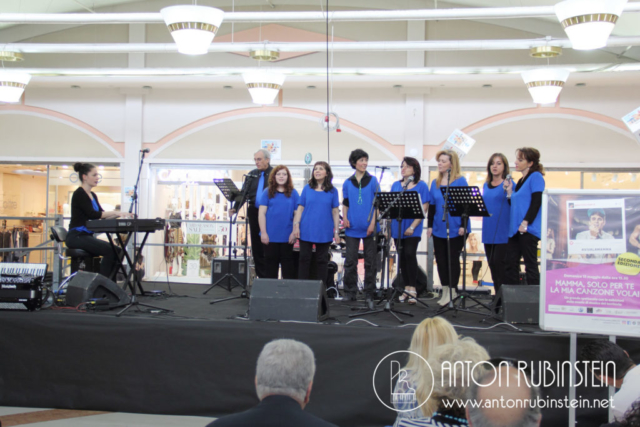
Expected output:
{"points": [[446, 252], [428, 335]]}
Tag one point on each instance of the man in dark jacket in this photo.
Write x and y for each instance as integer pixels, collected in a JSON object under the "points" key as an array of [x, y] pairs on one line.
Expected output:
{"points": [[257, 180], [284, 376]]}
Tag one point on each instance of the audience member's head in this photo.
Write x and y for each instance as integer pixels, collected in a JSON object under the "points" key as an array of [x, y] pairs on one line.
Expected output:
{"points": [[632, 416], [507, 393], [286, 368], [605, 351], [452, 379], [429, 334]]}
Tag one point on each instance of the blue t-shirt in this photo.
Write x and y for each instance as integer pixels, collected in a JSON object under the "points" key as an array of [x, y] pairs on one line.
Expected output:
{"points": [[95, 208], [520, 202], [455, 222], [280, 210], [316, 224], [360, 202], [495, 228], [422, 189]]}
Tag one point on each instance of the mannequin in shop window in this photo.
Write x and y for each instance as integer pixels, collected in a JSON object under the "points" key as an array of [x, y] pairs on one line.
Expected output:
{"points": [[174, 235], [84, 207]]}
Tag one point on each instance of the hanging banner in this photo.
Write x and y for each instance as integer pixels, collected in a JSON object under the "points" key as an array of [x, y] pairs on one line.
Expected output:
{"points": [[459, 142], [590, 280], [274, 146], [632, 120]]}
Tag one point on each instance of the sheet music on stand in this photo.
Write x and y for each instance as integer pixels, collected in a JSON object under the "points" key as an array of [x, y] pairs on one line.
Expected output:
{"points": [[227, 187], [465, 200], [409, 206]]}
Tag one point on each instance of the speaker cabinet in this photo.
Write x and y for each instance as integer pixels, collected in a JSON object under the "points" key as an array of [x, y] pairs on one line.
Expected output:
{"points": [[85, 286], [518, 304], [303, 300], [219, 267]]}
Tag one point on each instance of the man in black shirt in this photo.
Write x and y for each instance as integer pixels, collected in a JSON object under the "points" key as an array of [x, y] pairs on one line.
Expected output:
{"points": [[257, 180]]}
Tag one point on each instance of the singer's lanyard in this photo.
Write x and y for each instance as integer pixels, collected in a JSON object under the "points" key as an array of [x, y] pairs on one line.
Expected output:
{"points": [[360, 191]]}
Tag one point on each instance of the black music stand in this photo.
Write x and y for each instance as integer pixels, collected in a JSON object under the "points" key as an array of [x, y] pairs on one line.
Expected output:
{"points": [[397, 205], [230, 192], [463, 202]]}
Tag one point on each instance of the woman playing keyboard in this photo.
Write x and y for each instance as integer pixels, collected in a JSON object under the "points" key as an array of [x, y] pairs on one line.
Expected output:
{"points": [[84, 207]]}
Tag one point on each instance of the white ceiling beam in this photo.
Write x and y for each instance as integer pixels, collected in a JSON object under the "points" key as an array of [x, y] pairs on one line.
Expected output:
{"points": [[437, 45], [318, 71], [360, 15]]}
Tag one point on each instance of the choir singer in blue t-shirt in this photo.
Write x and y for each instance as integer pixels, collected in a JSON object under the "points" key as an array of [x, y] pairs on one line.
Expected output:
{"points": [[495, 228], [278, 204], [358, 193], [526, 219], [317, 221], [448, 174]]}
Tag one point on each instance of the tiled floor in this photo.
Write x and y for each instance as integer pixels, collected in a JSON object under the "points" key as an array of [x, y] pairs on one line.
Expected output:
{"points": [[12, 416]]}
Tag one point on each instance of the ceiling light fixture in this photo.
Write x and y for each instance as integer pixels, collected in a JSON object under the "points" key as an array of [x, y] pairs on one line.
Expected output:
{"points": [[545, 84], [263, 85], [192, 27], [545, 51], [265, 55], [12, 86], [11, 56], [588, 23]]}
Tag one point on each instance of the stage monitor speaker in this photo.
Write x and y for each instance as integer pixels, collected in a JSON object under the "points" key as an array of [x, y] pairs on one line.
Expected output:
{"points": [[303, 300], [86, 286], [238, 269], [518, 303], [421, 282]]}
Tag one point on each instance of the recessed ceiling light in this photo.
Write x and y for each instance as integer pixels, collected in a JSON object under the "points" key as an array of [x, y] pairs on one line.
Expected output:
{"points": [[487, 86], [227, 87], [147, 87], [580, 84], [75, 87], [311, 87], [397, 86]]}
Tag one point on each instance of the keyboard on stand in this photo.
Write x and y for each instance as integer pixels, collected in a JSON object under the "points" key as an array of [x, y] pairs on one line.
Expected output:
{"points": [[125, 225]]}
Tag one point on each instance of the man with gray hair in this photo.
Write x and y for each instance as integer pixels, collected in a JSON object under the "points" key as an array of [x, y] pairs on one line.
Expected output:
{"points": [[284, 376], [256, 182], [504, 398]]}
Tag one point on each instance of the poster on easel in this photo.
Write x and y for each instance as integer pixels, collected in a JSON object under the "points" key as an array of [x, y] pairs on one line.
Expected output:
{"points": [[590, 282], [632, 120], [273, 146]]}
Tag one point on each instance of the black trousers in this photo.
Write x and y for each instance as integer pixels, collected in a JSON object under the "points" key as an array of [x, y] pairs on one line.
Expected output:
{"points": [[276, 255], [496, 258], [443, 256], [322, 260], [475, 269], [351, 266], [408, 260], [256, 244], [522, 246], [79, 240]]}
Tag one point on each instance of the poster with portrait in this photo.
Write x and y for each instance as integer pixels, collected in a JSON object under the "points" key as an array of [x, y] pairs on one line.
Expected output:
{"points": [[591, 281], [274, 146]]}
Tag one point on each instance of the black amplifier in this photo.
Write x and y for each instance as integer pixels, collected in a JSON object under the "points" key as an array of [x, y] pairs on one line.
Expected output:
{"points": [[20, 293]]}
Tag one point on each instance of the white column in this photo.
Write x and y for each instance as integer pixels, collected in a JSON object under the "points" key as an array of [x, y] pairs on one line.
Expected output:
{"points": [[134, 103], [414, 98]]}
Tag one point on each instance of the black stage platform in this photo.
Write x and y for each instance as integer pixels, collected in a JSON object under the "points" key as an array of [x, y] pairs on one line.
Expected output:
{"points": [[200, 360]]}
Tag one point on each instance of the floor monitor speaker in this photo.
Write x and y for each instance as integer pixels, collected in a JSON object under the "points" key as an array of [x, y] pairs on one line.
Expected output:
{"points": [[86, 286], [303, 300], [518, 303]]}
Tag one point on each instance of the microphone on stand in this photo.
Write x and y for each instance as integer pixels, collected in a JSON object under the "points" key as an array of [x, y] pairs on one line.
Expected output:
{"points": [[145, 150], [446, 200], [507, 180], [410, 179], [252, 175], [383, 167]]}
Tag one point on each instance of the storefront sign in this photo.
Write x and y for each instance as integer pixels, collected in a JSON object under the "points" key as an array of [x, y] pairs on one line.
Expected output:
{"points": [[591, 281]]}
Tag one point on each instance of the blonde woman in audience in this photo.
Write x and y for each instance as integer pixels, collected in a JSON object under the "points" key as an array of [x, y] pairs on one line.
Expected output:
{"points": [[450, 384], [428, 335]]}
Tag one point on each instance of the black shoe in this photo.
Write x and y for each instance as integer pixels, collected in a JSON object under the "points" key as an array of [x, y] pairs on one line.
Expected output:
{"points": [[351, 297], [369, 301]]}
